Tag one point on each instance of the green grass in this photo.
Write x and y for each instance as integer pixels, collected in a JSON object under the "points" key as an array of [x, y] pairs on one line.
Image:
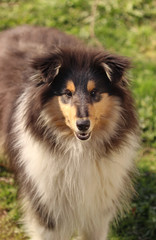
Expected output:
{"points": [[9, 215], [140, 223], [128, 28]]}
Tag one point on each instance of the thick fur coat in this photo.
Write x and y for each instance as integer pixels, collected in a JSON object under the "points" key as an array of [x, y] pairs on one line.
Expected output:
{"points": [[69, 128]]}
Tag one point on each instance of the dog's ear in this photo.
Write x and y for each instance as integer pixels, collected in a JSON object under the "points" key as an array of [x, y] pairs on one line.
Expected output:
{"points": [[115, 67], [47, 67]]}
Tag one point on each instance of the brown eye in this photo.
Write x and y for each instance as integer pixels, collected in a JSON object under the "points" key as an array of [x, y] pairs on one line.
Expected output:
{"points": [[68, 93], [93, 93]]}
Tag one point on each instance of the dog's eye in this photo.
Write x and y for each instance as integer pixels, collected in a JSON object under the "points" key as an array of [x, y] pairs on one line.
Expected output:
{"points": [[68, 93], [93, 93]]}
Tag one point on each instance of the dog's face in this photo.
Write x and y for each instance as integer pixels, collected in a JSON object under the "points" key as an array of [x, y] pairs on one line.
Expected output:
{"points": [[79, 92], [83, 106]]}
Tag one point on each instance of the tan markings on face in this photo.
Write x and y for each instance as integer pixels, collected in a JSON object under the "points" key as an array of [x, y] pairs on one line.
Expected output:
{"points": [[90, 85], [55, 117], [101, 113], [69, 113], [70, 86]]}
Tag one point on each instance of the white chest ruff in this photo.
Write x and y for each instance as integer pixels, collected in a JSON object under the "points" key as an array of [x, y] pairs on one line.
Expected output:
{"points": [[78, 184]]}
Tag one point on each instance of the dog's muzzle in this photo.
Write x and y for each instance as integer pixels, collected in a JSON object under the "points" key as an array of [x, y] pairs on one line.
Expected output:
{"points": [[83, 127]]}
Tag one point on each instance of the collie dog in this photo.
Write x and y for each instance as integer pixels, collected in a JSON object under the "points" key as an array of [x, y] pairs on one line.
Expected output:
{"points": [[69, 128]]}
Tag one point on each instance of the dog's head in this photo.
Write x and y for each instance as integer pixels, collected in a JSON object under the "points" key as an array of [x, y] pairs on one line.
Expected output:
{"points": [[83, 89]]}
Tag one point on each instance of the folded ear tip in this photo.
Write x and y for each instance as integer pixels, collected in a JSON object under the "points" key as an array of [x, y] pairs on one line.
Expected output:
{"points": [[126, 62], [115, 66], [47, 66]]}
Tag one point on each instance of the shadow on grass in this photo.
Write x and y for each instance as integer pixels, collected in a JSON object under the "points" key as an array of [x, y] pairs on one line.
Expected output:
{"points": [[140, 223]]}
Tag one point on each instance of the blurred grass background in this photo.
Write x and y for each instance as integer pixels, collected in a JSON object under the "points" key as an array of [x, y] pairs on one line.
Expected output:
{"points": [[127, 28]]}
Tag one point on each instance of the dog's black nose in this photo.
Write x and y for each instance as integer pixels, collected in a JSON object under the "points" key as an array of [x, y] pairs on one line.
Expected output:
{"points": [[83, 125]]}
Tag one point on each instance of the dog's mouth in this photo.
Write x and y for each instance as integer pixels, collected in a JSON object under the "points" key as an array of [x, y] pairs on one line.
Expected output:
{"points": [[83, 136]]}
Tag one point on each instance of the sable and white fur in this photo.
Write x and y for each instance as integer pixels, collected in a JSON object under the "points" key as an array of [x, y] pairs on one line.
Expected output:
{"points": [[66, 186]]}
